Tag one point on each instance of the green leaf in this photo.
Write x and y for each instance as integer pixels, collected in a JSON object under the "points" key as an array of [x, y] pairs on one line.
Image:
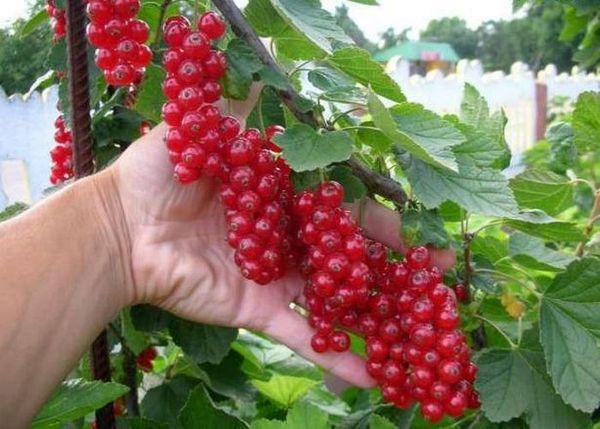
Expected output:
{"points": [[418, 131], [303, 415], [543, 190], [203, 343], [242, 63], [374, 138], [478, 149], [34, 22], [512, 383], [228, 379], [484, 130], [358, 64], [476, 190], [136, 341], [273, 78], [474, 109], [267, 111], [284, 390], [12, 211], [586, 122], [379, 422], [149, 99], [75, 399], [316, 24], [573, 24], [326, 78], [148, 318], [563, 153], [354, 189], [570, 331], [304, 149], [539, 224], [200, 408], [532, 253], [491, 247], [139, 423], [151, 14], [164, 402], [420, 227], [267, 22]]}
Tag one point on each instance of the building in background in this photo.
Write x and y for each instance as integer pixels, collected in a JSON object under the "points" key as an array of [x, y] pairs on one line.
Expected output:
{"points": [[422, 56]]}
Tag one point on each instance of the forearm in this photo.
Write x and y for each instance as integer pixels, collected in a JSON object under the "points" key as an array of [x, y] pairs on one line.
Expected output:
{"points": [[62, 279]]}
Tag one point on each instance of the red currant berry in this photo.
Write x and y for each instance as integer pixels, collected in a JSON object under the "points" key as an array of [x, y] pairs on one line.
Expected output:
{"points": [[330, 194], [418, 258], [211, 24], [339, 341], [432, 411], [195, 45]]}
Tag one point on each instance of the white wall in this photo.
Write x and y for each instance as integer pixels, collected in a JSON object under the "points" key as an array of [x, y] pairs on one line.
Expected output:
{"points": [[515, 92], [26, 137]]}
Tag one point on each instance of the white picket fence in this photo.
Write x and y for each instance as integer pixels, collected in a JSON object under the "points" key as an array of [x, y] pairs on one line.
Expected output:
{"points": [[26, 125], [514, 92]]}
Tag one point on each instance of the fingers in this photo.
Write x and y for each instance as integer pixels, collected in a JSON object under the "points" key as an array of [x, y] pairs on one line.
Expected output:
{"points": [[379, 223], [385, 225], [291, 329], [242, 108]]}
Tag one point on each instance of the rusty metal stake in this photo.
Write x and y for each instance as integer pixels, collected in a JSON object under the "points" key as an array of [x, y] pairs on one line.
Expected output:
{"points": [[83, 162]]}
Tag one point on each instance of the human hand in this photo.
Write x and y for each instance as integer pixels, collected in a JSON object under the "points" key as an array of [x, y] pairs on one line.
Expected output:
{"points": [[181, 262]]}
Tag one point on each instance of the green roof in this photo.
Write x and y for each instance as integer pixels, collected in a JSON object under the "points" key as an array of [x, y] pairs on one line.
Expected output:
{"points": [[414, 51]]}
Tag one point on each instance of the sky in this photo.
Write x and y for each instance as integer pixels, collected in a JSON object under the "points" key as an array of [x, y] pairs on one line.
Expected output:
{"points": [[372, 19]]}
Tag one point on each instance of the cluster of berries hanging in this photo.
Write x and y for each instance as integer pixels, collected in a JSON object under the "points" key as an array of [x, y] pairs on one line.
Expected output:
{"points": [[120, 40], [407, 315], [191, 86], [58, 22], [338, 277], [62, 153], [414, 348], [255, 186]]}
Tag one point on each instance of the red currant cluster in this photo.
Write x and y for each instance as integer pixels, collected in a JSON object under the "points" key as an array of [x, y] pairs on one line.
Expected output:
{"points": [[62, 153], [145, 358], [119, 38], [338, 277], [196, 126], [258, 195], [414, 347], [58, 22]]}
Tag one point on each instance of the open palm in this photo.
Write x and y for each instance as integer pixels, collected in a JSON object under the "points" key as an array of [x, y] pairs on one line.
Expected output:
{"points": [[181, 262]]}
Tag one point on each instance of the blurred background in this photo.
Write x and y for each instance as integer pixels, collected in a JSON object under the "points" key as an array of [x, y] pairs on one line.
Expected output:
{"points": [[520, 61]]}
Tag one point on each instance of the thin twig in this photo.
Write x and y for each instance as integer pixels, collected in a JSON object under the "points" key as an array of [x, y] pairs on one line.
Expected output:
{"points": [[589, 227], [377, 183], [161, 16]]}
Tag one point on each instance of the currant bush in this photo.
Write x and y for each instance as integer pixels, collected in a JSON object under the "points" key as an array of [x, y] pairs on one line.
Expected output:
{"points": [[119, 38]]}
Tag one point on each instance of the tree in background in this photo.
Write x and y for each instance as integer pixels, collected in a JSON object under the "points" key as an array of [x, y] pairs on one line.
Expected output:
{"points": [[22, 59], [352, 29], [533, 39], [454, 31], [390, 38]]}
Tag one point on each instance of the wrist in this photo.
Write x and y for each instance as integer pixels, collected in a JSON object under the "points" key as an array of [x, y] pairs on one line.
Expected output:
{"points": [[114, 235]]}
